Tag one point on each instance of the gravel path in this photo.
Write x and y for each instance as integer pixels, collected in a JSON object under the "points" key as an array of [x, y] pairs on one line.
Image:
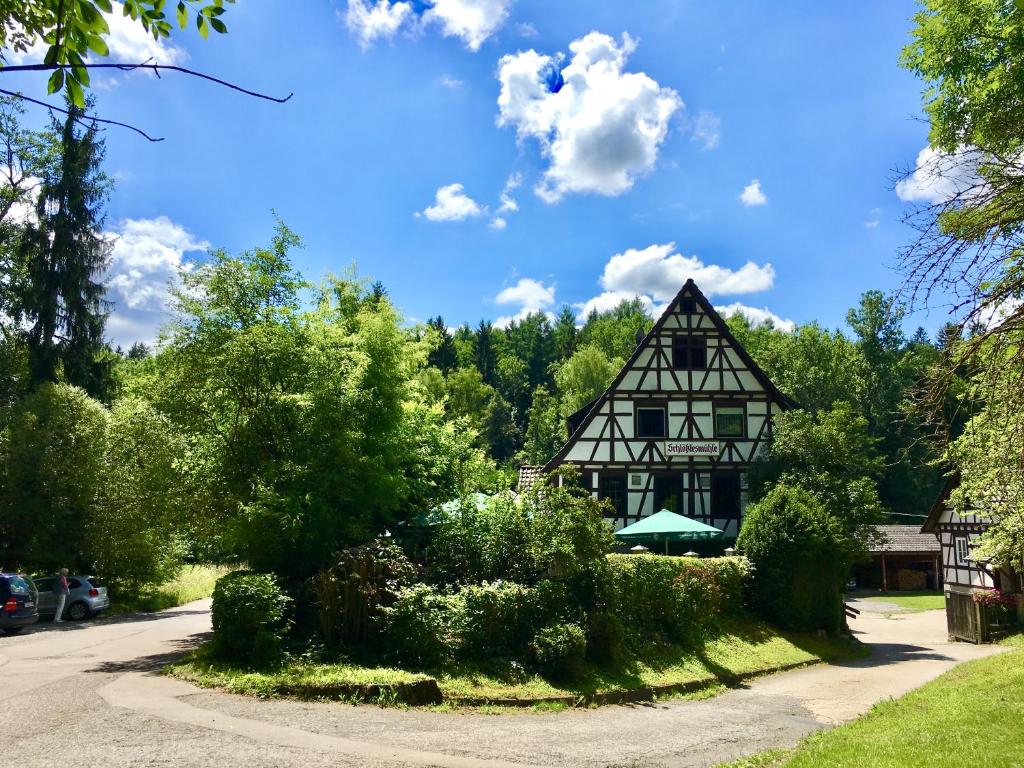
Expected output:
{"points": [[86, 696]]}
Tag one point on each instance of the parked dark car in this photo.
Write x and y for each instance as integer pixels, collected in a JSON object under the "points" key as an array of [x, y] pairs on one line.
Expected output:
{"points": [[88, 597], [19, 602]]}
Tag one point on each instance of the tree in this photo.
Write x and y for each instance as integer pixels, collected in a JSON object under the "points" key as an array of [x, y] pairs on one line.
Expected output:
{"points": [[443, 356], [970, 243], [486, 354], [564, 334], [76, 31], [545, 429], [833, 456], [801, 556], [306, 427], [584, 376], [60, 259], [51, 474], [135, 532], [616, 331]]}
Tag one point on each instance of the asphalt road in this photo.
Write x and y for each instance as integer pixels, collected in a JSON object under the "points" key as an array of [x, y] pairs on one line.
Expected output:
{"points": [[86, 695]]}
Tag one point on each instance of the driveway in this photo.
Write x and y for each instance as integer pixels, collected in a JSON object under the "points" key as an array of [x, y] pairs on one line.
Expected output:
{"points": [[86, 696]]}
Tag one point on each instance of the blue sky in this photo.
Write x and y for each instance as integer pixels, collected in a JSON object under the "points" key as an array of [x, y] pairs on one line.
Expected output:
{"points": [[651, 142]]}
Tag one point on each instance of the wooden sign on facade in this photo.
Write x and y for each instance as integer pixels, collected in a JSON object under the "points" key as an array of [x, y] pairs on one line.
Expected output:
{"points": [[693, 448]]}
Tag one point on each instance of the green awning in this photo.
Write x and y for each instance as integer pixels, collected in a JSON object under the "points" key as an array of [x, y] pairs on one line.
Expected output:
{"points": [[668, 526]]}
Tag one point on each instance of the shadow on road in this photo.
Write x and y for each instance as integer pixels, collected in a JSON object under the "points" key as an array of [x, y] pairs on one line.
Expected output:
{"points": [[157, 661], [124, 618]]}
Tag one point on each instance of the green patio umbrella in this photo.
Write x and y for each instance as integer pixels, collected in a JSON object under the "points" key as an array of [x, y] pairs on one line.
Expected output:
{"points": [[668, 526]]}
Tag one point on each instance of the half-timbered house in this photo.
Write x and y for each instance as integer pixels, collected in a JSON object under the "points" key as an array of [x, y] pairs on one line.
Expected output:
{"points": [[681, 423], [963, 573]]}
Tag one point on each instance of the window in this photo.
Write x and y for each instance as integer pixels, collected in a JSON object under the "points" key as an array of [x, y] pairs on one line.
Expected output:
{"points": [[613, 488], [725, 496], [729, 421], [690, 353], [963, 550], [668, 494], [18, 586], [650, 422], [45, 585], [688, 306]]}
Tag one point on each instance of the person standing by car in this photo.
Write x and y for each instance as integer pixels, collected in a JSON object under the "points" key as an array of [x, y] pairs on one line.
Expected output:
{"points": [[60, 588]]}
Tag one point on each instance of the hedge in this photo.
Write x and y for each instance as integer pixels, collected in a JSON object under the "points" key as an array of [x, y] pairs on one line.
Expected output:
{"points": [[679, 599], [636, 598], [251, 617]]}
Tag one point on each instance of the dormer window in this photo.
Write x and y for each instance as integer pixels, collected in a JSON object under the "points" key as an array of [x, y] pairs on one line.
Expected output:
{"points": [[689, 353], [650, 423]]}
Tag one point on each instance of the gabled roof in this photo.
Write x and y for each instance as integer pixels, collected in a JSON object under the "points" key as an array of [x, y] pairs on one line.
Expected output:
{"points": [[904, 538], [689, 287], [931, 523]]}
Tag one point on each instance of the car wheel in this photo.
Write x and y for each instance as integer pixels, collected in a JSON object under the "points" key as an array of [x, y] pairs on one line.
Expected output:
{"points": [[78, 611], [13, 630]]}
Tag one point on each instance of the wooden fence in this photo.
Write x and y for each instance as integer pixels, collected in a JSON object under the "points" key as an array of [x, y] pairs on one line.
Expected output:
{"points": [[974, 622]]}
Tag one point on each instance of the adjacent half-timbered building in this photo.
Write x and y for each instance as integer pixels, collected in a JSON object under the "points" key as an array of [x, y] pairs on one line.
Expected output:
{"points": [[963, 574], [681, 423]]}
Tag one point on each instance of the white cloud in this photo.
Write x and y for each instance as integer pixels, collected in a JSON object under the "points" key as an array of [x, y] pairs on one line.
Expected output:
{"points": [[531, 295], [451, 82], [599, 127], [508, 203], [873, 218], [940, 176], [452, 204], [146, 260], [752, 194], [128, 43], [526, 29], [659, 271], [498, 223], [382, 19], [472, 21], [756, 316], [707, 129]]}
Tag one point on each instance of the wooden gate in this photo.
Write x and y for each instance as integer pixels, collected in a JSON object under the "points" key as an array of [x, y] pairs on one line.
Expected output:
{"points": [[965, 619]]}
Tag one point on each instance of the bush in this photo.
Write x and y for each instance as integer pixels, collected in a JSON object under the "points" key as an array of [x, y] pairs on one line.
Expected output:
{"points": [[678, 599], [251, 618], [428, 627], [800, 558], [559, 650], [548, 533], [350, 594], [606, 639]]}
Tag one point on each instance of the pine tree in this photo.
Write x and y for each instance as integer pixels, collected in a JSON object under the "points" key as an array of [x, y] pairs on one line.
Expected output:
{"points": [[61, 256], [486, 354], [443, 356]]}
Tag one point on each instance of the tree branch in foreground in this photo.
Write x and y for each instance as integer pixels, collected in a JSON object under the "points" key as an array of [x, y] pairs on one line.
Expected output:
{"points": [[156, 69], [83, 119]]}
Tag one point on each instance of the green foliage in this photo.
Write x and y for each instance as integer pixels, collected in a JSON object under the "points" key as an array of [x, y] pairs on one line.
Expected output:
{"points": [[52, 460], [679, 600], [545, 429], [798, 551], [251, 618], [305, 431], [615, 332], [971, 55], [134, 534], [832, 456], [554, 532], [56, 296], [584, 376], [77, 31], [560, 650], [360, 583]]}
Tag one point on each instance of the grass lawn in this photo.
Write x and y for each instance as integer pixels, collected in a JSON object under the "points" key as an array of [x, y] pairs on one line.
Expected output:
{"points": [[742, 650], [193, 582], [971, 715], [911, 602]]}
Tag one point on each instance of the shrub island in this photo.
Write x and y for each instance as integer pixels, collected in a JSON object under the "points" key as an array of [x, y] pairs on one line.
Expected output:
{"points": [[516, 600]]}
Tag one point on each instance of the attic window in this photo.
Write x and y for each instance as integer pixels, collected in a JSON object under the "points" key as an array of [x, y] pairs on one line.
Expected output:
{"points": [[689, 353], [688, 306], [650, 422]]}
